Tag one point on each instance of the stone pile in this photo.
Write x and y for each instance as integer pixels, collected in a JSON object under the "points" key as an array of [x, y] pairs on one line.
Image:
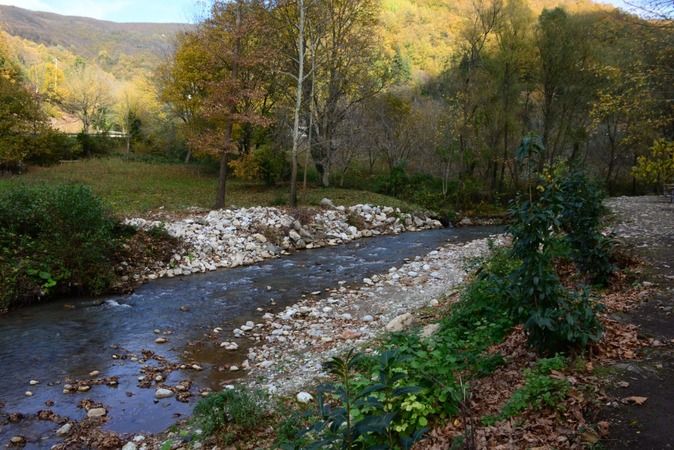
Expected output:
{"points": [[235, 237]]}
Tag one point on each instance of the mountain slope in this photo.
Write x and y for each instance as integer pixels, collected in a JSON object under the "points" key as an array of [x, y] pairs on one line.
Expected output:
{"points": [[91, 38]]}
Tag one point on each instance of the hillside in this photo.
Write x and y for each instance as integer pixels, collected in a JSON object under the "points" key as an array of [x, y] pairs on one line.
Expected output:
{"points": [[110, 44], [425, 32]]}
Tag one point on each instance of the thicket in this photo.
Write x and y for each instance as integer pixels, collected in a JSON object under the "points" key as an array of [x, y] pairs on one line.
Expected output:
{"points": [[53, 240]]}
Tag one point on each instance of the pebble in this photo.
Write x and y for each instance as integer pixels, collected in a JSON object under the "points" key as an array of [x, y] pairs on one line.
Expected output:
{"points": [[230, 346], [94, 373], [367, 318], [400, 323], [64, 430], [304, 397], [96, 412], [129, 446], [163, 393], [28, 394], [161, 340], [33, 382], [18, 440]]}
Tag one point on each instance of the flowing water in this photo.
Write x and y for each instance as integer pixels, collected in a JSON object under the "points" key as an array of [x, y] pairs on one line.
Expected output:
{"points": [[68, 339]]}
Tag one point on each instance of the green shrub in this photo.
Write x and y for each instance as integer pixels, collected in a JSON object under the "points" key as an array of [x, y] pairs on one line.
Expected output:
{"points": [[53, 240], [239, 407], [96, 145], [555, 319], [580, 219]]}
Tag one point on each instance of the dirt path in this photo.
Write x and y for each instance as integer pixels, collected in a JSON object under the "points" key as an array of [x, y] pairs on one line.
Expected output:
{"points": [[647, 223]]}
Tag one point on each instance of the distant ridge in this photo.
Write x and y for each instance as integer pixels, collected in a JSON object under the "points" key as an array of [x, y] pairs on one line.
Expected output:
{"points": [[87, 37]]}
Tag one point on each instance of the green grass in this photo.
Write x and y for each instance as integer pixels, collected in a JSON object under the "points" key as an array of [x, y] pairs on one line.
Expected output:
{"points": [[133, 188]]}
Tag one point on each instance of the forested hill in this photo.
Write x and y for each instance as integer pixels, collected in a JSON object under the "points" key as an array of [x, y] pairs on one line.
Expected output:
{"points": [[107, 42], [425, 32]]}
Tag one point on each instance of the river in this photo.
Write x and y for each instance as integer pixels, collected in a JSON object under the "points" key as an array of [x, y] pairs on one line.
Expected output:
{"points": [[64, 340]]}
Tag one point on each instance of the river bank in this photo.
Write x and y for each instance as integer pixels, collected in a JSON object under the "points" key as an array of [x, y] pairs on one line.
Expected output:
{"points": [[235, 237]]}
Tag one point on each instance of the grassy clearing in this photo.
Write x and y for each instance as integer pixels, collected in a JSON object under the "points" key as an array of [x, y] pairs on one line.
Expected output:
{"points": [[133, 188]]}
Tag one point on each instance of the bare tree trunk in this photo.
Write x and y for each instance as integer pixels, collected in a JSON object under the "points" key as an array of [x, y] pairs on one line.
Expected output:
{"points": [[229, 125], [311, 114], [298, 103]]}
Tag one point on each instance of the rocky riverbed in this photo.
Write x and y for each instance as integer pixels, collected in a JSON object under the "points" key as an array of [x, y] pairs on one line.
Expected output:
{"points": [[235, 237], [293, 344]]}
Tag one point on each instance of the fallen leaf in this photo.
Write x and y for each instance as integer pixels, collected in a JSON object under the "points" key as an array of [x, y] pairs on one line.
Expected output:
{"points": [[590, 437], [635, 399]]}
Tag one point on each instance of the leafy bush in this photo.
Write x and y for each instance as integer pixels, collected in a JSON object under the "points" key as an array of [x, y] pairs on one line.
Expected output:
{"points": [[95, 145], [554, 318], [53, 240], [239, 407], [580, 219], [356, 412]]}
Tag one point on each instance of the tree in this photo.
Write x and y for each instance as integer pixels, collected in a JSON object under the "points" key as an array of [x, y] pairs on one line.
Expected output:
{"points": [[568, 81], [658, 167], [183, 80], [238, 60], [87, 95], [351, 69], [295, 13]]}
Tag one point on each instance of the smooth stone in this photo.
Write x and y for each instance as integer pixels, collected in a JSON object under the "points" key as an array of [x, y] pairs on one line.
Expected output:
{"points": [[304, 397], [163, 393], [64, 430], [400, 323], [18, 440], [96, 412]]}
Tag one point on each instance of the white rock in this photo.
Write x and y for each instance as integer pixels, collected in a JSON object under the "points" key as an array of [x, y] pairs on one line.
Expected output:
{"points": [[327, 204], [304, 397], [129, 446], [163, 393], [400, 323], [230, 345], [96, 412], [64, 430], [33, 382], [367, 318]]}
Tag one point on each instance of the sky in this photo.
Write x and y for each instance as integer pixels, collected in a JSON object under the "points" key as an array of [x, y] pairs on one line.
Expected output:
{"points": [[132, 10], [119, 10]]}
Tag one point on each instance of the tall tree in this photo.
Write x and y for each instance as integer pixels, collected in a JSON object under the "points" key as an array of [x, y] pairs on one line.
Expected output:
{"points": [[87, 95], [351, 69], [237, 59]]}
